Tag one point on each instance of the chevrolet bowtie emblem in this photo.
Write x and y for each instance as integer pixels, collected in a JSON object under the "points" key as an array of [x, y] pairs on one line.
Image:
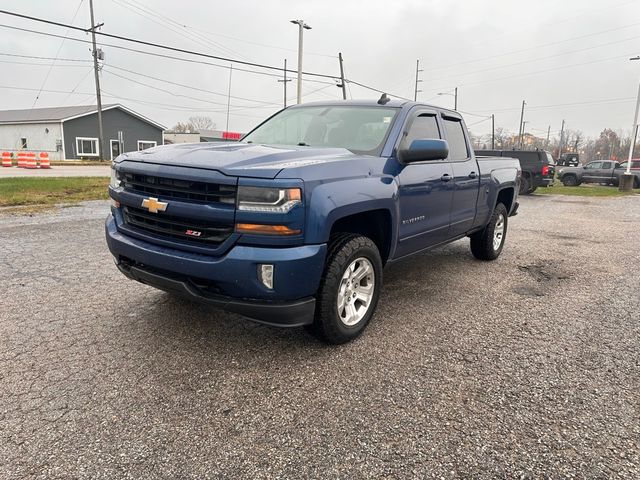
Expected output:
{"points": [[153, 205]]}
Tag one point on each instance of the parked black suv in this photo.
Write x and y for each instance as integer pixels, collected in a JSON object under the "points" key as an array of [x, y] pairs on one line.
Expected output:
{"points": [[569, 160], [538, 167]]}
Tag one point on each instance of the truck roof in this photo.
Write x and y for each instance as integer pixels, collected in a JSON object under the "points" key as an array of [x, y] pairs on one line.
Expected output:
{"points": [[394, 103]]}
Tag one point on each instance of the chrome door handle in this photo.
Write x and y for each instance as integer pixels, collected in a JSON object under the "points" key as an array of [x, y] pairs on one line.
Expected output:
{"points": [[445, 178], [473, 175]]}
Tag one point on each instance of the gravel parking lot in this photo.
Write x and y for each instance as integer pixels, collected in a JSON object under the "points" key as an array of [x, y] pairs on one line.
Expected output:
{"points": [[524, 367]]}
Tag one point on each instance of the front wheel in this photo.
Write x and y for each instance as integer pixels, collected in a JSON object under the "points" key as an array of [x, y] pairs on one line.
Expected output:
{"points": [[487, 244], [570, 181], [349, 288]]}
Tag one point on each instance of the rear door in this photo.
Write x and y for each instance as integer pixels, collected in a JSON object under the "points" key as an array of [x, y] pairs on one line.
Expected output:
{"points": [[466, 177], [426, 189], [606, 172]]}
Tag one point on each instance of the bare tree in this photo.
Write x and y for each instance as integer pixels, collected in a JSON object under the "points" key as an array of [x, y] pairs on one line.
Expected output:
{"points": [[181, 128], [199, 123]]}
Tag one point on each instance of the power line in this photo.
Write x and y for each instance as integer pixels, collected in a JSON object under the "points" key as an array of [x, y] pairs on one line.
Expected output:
{"points": [[159, 45], [537, 72], [375, 89], [203, 34], [181, 50], [35, 64], [173, 93], [571, 104], [159, 55], [191, 86], [535, 47], [36, 57], [46, 77], [531, 60]]}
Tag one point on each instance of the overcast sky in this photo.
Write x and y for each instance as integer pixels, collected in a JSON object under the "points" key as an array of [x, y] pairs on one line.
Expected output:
{"points": [[568, 60]]}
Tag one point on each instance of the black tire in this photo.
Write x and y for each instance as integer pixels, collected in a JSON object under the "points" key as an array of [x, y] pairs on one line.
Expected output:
{"points": [[344, 249], [532, 189], [570, 181], [525, 185], [482, 242], [636, 183]]}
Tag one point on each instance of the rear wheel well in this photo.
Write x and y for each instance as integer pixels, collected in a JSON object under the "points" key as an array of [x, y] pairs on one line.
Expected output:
{"points": [[505, 197], [374, 224]]}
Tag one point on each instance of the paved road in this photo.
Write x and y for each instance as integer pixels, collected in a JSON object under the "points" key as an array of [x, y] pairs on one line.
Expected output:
{"points": [[526, 367], [58, 171]]}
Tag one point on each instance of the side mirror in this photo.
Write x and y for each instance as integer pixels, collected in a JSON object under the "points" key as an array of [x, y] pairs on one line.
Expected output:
{"points": [[422, 150]]}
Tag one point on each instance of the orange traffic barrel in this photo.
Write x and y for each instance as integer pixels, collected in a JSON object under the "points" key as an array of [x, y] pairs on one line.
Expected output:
{"points": [[22, 159], [31, 160], [44, 160], [6, 159]]}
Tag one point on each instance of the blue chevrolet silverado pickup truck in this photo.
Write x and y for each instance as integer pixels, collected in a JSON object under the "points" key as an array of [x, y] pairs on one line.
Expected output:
{"points": [[292, 225]]}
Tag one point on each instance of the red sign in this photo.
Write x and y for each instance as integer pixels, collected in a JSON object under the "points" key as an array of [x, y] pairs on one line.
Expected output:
{"points": [[231, 135]]}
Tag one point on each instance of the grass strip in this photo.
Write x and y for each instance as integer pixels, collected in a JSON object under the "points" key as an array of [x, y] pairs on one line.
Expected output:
{"points": [[51, 190], [584, 190]]}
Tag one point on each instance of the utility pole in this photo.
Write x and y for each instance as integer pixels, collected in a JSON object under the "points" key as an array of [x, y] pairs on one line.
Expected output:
{"points": [[521, 131], [548, 135], [561, 140], [493, 131], [455, 99], [626, 180], [301, 27], [415, 94], [229, 97], [97, 78], [284, 81], [342, 84]]}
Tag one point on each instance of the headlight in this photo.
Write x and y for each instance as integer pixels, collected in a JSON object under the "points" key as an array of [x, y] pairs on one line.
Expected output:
{"points": [[271, 200], [115, 181]]}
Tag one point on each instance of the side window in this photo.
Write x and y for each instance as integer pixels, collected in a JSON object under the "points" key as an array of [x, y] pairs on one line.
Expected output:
{"points": [[594, 165], [606, 165], [456, 139], [422, 128]]}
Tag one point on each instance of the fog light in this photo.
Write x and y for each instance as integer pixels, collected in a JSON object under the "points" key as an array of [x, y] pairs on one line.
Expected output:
{"points": [[265, 274]]}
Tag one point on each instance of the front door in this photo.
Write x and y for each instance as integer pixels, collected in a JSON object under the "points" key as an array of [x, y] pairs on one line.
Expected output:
{"points": [[115, 148], [426, 191], [591, 173]]}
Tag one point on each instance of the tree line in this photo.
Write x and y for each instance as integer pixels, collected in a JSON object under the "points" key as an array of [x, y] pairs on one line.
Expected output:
{"points": [[610, 144]]}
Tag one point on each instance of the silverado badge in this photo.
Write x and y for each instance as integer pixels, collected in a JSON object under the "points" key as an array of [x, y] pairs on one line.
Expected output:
{"points": [[153, 205]]}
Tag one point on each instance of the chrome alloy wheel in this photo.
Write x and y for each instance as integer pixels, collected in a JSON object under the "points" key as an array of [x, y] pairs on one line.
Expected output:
{"points": [[356, 291], [498, 232]]}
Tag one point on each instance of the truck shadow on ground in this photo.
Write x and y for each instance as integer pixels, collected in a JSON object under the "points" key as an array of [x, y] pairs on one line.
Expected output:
{"points": [[188, 322]]}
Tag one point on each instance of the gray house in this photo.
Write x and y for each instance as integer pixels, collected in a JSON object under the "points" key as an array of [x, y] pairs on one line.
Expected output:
{"points": [[72, 132]]}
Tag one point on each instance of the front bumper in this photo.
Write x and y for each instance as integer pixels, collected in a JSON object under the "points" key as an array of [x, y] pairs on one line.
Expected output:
{"points": [[229, 281]]}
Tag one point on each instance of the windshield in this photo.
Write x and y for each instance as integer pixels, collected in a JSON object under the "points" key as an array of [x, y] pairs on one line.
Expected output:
{"points": [[359, 129]]}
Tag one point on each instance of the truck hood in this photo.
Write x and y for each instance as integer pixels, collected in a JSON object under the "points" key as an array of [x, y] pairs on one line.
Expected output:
{"points": [[238, 159]]}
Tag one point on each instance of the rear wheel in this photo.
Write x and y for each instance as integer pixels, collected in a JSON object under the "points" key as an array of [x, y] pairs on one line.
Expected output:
{"points": [[533, 189], [349, 288], [488, 243], [525, 185], [570, 181]]}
